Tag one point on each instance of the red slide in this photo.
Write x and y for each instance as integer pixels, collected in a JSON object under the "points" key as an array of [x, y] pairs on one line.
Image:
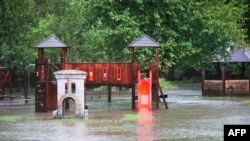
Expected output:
{"points": [[144, 93]]}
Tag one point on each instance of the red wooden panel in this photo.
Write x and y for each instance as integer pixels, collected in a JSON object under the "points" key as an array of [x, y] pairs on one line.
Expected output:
{"points": [[91, 74], [105, 74], [213, 87], [112, 70], [118, 73], [237, 87]]}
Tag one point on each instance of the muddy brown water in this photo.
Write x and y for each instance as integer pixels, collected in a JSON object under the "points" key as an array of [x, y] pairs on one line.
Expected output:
{"points": [[189, 117]]}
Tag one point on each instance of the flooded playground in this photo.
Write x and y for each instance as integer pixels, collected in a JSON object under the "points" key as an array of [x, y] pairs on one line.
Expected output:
{"points": [[189, 117]]}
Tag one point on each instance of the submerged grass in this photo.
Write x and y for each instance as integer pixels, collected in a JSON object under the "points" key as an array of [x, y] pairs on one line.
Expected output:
{"points": [[10, 118], [126, 117], [247, 102], [71, 120], [134, 117], [130, 117], [216, 97]]}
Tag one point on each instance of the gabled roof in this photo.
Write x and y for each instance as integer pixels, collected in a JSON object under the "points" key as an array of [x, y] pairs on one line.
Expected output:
{"points": [[51, 42], [236, 56], [239, 56], [144, 41]]}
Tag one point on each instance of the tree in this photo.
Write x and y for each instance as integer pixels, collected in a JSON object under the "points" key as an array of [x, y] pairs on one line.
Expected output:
{"points": [[191, 32], [247, 19], [16, 20]]}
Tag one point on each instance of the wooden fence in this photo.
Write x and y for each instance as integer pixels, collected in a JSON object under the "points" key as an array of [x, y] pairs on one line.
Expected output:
{"points": [[230, 88]]}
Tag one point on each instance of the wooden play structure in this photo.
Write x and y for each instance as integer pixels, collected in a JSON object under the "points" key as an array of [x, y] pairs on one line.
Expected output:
{"points": [[99, 74], [5, 79], [225, 83]]}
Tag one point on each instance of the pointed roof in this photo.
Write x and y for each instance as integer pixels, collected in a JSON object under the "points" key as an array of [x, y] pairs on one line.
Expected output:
{"points": [[235, 56], [144, 41], [51, 42], [239, 56]]}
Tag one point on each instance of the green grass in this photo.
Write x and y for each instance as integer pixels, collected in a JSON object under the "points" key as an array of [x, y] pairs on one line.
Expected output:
{"points": [[126, 117], [100, 88], [130, 117], [134, 117], [216, 97], [247, 102], [167, 84], [10, 118]]}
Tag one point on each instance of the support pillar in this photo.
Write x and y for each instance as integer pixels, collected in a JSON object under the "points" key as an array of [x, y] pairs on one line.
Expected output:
{"points": [[223, 79], [133, 96], [203, 77], [109, 94]]}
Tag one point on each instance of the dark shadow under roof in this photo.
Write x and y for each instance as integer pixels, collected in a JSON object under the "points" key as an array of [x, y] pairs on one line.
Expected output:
{"points": [[51, 42], [144, 41]]}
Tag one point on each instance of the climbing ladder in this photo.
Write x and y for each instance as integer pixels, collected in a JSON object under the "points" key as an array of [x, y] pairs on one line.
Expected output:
{"points": [[163, 96]]}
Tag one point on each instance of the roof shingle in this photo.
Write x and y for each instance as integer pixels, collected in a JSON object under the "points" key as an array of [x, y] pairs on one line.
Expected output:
{"points": [[51, 42]]}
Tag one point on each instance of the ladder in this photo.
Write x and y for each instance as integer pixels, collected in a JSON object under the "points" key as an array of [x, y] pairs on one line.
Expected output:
{"points": [[162, 95]]}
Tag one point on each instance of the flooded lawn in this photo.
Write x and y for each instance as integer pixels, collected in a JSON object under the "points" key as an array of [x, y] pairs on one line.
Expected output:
{"points": [[189, 117]]}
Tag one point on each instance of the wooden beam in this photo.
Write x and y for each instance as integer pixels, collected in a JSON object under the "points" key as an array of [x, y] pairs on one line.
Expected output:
{"points": [[109, 94], [40, 54], [223, 79], [203, 78], [133, 96], [25, 81]]}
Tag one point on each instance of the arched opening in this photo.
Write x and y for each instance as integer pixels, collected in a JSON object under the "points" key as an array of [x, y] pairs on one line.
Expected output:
{"points": [[69, 107]]}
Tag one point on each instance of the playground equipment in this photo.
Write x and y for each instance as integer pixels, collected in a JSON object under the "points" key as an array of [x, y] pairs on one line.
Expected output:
{"points": [[5, 80], [100, 74], [144, 93]]}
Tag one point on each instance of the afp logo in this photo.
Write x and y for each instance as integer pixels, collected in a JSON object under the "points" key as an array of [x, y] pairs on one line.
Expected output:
{"points": [[236, 132]]}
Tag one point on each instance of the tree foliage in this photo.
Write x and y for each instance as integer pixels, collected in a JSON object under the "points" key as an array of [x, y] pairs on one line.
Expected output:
{"points": [[191, 32]]}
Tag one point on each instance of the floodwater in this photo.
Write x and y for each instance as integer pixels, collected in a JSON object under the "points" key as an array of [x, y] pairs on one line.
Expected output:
{"points": [[189, 117]]}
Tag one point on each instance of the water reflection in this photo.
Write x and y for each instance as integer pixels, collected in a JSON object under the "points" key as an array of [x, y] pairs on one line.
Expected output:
{"points": [[145, 126]]}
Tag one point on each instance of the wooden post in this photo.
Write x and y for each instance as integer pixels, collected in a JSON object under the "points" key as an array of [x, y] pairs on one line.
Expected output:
{"points": [[157, 79], [64, 54], [25, 81], [132, 56], [203, 77], [156, 57], [40, 54], [223, 79], [109, 94], [155, 95], [133, 96], [64, 58], [242, 70], [62, 62], [46, 78], [133, 81]]}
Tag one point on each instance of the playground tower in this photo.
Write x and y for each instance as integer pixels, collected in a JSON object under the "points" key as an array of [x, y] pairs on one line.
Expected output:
{"points": [[99, 74]]}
